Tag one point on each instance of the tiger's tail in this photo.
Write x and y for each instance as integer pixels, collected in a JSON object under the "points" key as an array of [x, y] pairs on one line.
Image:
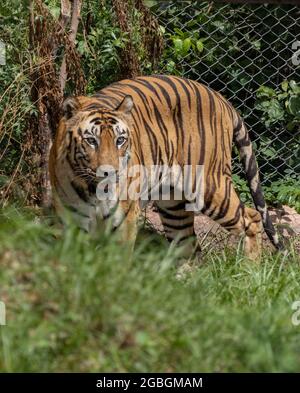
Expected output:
{"points": [[247, 157]]}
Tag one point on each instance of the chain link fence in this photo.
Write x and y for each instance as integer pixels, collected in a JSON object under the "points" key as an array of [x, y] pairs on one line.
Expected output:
{"points": [[249, 54]]}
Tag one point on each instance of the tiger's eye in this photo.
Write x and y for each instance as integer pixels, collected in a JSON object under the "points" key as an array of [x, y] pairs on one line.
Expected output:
{"points": [[120, 141], [92, 142]]}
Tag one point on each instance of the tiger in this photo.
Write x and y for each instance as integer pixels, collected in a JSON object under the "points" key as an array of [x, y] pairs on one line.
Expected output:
{"points": [[157, 120]]}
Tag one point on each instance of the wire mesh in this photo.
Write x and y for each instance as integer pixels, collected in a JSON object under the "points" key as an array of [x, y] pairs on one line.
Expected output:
{"points": [[236, 49]]}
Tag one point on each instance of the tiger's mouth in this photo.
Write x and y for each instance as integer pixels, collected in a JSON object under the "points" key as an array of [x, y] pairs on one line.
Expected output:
{"points": [[104, 183], [86, 174], [102, 187]]}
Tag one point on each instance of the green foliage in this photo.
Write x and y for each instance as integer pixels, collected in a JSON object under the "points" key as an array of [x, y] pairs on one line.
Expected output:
{"points": [[100, 47], [185, 45], [78, 304], [281, 104], [100, 42], [15, 102], [285, 191], [247, 65], [242, 188], [206, 40]]}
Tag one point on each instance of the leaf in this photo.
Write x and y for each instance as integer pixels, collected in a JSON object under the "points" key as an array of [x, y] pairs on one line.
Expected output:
{"points": [[178, 31], [200, 46], [81, 47], [282, 96], [55, 11], [219, 24], [256, 44], [285, 85], [178, 44], [275, 111], [263, 106], [244, 80], [291, 125], [186, 45], [150, 3], [269, 152], [161, 29], [294, 86], [265, 91], [293, 105]]}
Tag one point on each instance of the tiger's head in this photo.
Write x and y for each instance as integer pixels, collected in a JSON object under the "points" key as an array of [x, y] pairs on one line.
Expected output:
{"points": [[89, 137], [93, 139]]}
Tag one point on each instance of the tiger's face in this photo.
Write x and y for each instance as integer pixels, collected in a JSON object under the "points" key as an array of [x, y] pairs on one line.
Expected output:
{"points": [[97, 141]]}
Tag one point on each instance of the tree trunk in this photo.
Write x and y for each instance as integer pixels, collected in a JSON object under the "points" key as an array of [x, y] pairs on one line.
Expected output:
{"points": [[48, 84]]}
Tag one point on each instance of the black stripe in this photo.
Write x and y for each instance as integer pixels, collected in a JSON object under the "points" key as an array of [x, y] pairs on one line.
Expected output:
{"points": [[181, 239], [79, 191], [149, 86], [178, 227], [212, 107], [200, 123], [101, 96], [177, 113], [95, 119], [165, 94], [152, 138], [115, 91], [184, 84], [235, 219], [162, 127], [179, 206], [226, 200], [74, 210], [169, 216]]}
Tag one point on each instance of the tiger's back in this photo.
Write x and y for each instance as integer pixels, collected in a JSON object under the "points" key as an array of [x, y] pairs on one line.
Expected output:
{"points": [[176, 120]]}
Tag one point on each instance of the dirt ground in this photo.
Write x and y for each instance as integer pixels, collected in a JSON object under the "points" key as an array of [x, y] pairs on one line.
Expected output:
{"points": [[211, 234]]}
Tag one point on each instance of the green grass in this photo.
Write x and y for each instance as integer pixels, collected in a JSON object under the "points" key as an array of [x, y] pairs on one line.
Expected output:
{"points": [[78, 304]]}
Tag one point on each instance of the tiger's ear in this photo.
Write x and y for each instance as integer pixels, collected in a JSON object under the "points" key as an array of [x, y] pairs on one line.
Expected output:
{"points": [[70, 106], [126, 105]]}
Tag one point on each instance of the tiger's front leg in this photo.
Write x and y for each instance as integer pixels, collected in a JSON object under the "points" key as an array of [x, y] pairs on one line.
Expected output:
{"points": [[125, 221]]}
